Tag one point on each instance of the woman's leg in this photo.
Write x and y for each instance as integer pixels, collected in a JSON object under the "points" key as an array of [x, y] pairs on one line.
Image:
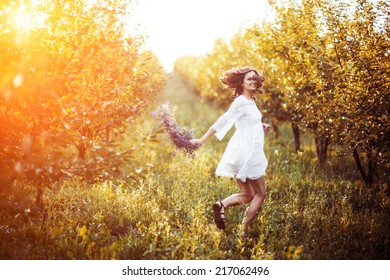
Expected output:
{"points": [[219, 207], [258, 187], [244, 197]]}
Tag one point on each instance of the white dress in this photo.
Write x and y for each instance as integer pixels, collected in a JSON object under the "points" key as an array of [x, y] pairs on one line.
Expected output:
{"points": [[244, 156]]}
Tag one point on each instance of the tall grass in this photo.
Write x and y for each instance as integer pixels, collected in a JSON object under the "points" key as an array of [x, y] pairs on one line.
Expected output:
{"points": [[163, 211]]}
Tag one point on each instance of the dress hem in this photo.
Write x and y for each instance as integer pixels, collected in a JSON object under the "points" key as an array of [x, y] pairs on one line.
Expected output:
{"points": [[241, 179]]}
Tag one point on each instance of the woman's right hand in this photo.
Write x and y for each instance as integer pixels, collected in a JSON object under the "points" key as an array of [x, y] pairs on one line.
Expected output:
{"points": [[196, 142]]}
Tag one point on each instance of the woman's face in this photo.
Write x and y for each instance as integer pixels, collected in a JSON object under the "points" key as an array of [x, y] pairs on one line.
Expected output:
{"points": [[250, 82]]}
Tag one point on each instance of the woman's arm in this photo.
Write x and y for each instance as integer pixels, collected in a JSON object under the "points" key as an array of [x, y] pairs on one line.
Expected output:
{"points": [[224, 123], [203, 139]]}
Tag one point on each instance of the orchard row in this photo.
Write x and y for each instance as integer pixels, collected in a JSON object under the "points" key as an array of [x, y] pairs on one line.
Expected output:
{"points": [[326, 69]]}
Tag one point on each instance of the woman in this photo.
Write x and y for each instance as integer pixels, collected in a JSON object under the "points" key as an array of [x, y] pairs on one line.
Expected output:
{"points": [[244, 157]]}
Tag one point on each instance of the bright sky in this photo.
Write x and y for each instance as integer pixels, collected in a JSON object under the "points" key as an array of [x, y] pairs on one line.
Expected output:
{"points": [[189, 27]]}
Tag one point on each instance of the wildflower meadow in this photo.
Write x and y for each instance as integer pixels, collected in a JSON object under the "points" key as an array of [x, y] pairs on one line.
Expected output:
{"points": [[162, 210], [96, 161]]}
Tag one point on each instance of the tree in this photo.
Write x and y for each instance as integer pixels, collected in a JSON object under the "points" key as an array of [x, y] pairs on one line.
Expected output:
{"points": [[360, 44], [71, 84], [326, 66]]}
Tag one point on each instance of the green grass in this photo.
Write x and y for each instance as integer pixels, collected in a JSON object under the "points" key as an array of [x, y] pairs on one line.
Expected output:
{"points": [[163, 211]]}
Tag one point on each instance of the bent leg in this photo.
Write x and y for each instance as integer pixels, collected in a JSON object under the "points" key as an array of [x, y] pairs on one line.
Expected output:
{"points": [[245, 196], [258, 187]]}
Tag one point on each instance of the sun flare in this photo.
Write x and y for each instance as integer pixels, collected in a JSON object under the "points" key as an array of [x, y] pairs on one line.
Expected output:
{"points": [[27, 19], [175, 28]]}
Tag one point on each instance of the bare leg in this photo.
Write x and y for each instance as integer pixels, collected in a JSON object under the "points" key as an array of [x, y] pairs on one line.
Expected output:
{"points": [[219, 207], [258, 187], [245, 196]]}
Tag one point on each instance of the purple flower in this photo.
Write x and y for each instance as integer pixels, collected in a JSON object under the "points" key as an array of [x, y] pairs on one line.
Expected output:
{"points": [[179, 136]]}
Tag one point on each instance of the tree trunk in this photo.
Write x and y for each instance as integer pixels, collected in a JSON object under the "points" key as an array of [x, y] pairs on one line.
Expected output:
{"points": [[82, 146], [107, 135], [38, 196], [371, 166], [368, 178], [275, 128], [82, 151], [296, 133], [322, 144]]}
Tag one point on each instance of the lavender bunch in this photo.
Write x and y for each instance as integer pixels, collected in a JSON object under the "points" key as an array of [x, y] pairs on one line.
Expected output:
{"points": [[179, 136]]}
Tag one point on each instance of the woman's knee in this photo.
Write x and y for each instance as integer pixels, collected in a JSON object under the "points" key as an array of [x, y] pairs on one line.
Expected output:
{"points": [[248, 197], [258, 187]]}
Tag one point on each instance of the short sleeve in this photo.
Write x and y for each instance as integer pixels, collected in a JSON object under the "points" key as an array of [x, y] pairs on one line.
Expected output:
{"points": [[226, 121]]}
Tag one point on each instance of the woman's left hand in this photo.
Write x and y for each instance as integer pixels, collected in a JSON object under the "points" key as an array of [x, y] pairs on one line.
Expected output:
{"points": [[266, 127]]}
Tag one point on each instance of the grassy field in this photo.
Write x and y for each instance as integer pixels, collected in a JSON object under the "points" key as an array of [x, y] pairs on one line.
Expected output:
{"points": [[163, 210]]}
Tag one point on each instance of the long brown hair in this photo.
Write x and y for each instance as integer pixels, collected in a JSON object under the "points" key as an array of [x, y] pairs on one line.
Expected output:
{"points": [[234, 78]]}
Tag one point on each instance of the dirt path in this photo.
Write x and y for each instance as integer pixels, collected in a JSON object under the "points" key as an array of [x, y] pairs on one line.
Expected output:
{"points": [[191, 111]]}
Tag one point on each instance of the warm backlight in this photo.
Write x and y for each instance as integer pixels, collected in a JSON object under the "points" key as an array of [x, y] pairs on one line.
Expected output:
{"points": [[26, 19]]}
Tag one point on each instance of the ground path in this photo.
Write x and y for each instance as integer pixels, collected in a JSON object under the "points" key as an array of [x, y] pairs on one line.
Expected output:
{"points": [[192, 110]]}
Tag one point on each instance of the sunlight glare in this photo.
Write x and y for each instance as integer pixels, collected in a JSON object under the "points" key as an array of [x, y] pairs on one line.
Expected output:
{"points": [[18, 80], [26, 19], [175, 28]]}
